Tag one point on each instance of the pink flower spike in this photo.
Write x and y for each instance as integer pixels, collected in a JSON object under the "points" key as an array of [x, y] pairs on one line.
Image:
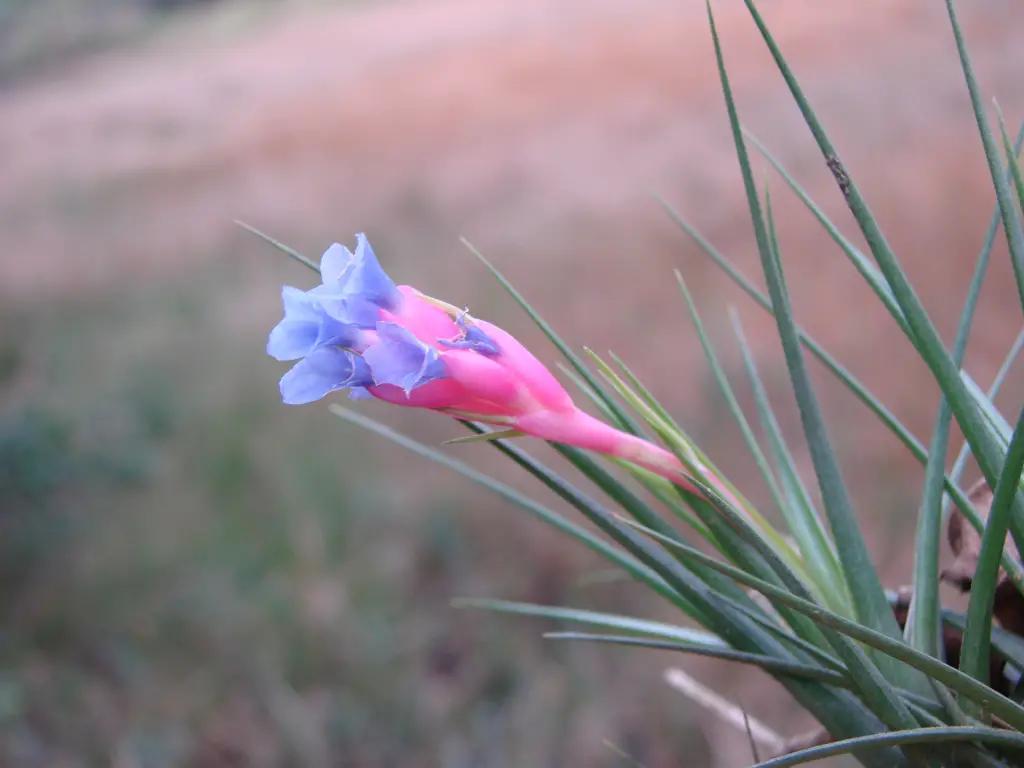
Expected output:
{"points": [[486, 379], [543, 386], [359, 331], [582, 430], [425, 320]]}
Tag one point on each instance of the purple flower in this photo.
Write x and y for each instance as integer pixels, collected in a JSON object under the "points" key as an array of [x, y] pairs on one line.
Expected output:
{"points": [[322, 371], [471, 337], [399, 358], [359, 331], [306, 327], [355, 286], [325, 344]]}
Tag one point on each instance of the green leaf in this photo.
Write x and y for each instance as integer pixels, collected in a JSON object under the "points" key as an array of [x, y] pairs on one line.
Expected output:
{"points": [[923, 624], [825, 583], [630, 565], [922, 333], [697, 464], [912, 444], [867, 677], [710, 589], [975, 651], [1007, 643], [665, 492], [626, 499], [1013, 162], [643, 627], [1014, 237], [999, 705], [865, 588], [870, 274], [590, 393], [733, 621], [640, 389], [996, 423], [802, 517], [502, 434], [861, 262], [730, 538], [698, 648], [767, 663], [997, 382], [927, 736], [831, 364], [280, 246]]}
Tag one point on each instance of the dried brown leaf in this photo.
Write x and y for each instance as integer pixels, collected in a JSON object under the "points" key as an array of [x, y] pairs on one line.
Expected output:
{"points": [[966, 542]]}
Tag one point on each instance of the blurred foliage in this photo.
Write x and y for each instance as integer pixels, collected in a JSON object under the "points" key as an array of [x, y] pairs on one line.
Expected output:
{"points": [[192, 574], [39, 32]]}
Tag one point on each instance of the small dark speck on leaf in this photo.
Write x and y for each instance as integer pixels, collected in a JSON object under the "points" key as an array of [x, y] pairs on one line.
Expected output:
{"points": [[842, 178]]}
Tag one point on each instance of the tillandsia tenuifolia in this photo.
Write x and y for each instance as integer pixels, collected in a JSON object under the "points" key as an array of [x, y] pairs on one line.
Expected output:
{"points": [[360, 332], [894, 680]]}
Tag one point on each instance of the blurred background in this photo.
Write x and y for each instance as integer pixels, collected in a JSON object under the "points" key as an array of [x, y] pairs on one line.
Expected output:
{"points": [[192, 574]]}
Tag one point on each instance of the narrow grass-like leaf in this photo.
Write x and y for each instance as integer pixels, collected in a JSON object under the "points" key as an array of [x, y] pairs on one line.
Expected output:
{"points": [[769, 664], [822, 579], [831, 364], [993, 391], [723, 588], [904, 435], [989, 453], [503, 434], [843, 587], [826, 588], [638, 387], [280, 246], [696, 462], [924, 736], [1010, 645], [868, 270], [806, 525], [665, 492], [588, 391], [725, 537], [837, 710], [975, 652], [861, 262], [1014, 236], [867, 676], [865, 587], [923, 629], [629, 564], [1011, 712], [1014, 163], [648, 629], [997, 424], [725, 597], [733, 539]]}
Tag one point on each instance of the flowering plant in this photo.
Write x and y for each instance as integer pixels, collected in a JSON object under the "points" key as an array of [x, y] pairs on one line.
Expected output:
{"points": [[894, 678], [358, 331]]}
